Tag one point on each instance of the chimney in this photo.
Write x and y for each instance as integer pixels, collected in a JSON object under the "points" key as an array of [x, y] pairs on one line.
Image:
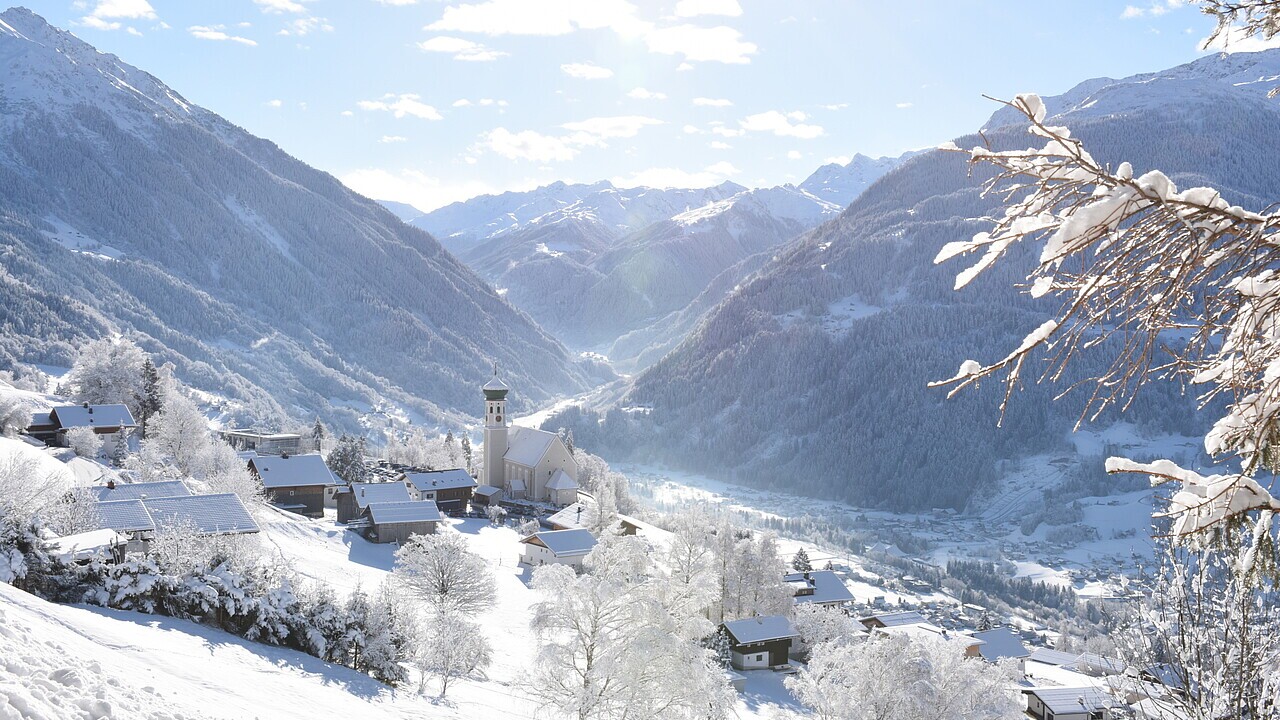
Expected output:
{"points": [[85, 405], [284, 456], [111, 484]]}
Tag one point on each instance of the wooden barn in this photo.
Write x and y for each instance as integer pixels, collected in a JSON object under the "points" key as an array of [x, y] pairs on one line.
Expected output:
{"points": [[354, 500], [398, 521], [295, 483], [449, 489]]}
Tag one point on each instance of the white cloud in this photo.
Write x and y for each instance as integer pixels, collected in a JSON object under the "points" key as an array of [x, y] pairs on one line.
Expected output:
{"points": [[404, 105], [392, 139], [306, 26], [675, 177], [346, 113], [216, 32], [275, 103], [693, 8], [701, 44], [692, 130], [718, 145], [400, 3], [835, 106], [903, 105], [460, 49], [595, 131], [98, 23], [684, 67], [124, 9], [133, 31], [794, 155], [728, 132], [1155, 9], [462, 102], [712, 102], [527, 145], [279, 6], [411, 186], [482, 102], [541, 17], [781, 125], [586, 71], [643, 94]]}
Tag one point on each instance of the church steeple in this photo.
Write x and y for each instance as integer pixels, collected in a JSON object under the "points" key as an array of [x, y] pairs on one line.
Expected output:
{"points": [[495, 430]]}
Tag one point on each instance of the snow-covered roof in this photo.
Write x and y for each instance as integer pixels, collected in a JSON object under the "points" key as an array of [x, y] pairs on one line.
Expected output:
{"points": [[560, 480], [999, 643], [1053, 657], [827, 587], [292, 471], [495, 383], [565, 543], [526, 446], [909, 617], [1101, 663], [137, 491], [72, 416], [441, 480], [41, 418], [124, 516], [761, 629], [221, 514], [368, 493], [84, 545], [390, 513], [926, 629], [1068, 700], [570, 517], [487, 491]]}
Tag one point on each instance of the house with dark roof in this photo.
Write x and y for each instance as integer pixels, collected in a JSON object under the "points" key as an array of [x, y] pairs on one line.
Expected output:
{"points": [[450, 490], [557, 547], [138, 491], [353, 500], [387, 522], [1068, 703], [111, 423], [760, 642], [138, 519], [295, 483], [818, 587], [1002, 643]]}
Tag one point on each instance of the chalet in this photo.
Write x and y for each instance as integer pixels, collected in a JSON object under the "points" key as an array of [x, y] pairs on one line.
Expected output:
{"points": [[578, 515], [1068, 703], [138, 491], [43, 428], [449, 489], [1000, 644], [760, 642], [112, 423], [352, 501], [264, 443], [818, 587], [294, 482], [486, 495], [557, 547], [396, 522], [526, 463], [884, 620], [138, 519]]}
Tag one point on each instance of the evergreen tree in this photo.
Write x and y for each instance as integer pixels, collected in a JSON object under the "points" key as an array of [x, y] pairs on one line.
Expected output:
{"points": [[152, 394], [318, 435], [347, 459], [801, 561], [466, 454]]}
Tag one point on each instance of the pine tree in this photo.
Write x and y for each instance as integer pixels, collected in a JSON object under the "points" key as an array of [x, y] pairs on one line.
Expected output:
{"points": [[801, 561], [152, 399], [318, 435], [466, 454], [347, 459], [120, 453]]}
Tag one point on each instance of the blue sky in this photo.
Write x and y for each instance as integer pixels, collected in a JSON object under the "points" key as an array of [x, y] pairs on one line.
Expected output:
{"points": [[431, 101]]}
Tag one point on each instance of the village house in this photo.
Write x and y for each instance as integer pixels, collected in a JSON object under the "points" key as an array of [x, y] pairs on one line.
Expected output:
{"points": [[396, 522], [486, 495], [884, 620], [450, 490], [1000, 644], [353, 500], [264, 443], [760, 642], [112, 424], [138, 491], [579, 514], [1068, 703], [557, 547], [295, 483], [525, 463], [964, 644], [818, 587], [138, 519]]}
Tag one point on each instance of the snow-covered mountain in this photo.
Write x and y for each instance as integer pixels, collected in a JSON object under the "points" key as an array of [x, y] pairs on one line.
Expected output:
{"points": [[126, 208], [813, 372], [404, 211], [842, 184]]}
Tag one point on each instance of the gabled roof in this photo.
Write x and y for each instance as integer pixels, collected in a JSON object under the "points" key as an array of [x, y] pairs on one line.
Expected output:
{"points": [[222, 514], [827, 587], [87, 544], [572, 516], [1053, 657], [137, 491], [488, 491], [366, 494], [1067, 700], [124, 516], [292, 471], [909, 617], [390, 513], [526, 446], [564, 543], [560, 480], [41, 419], [71, 416], [999, 643], [761, 629], [441, 480], [1100, 662]]}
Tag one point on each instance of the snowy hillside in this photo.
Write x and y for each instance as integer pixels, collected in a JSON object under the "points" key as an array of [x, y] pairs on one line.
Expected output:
{"points": [[842, 184], [263, 280], [805, 374]]}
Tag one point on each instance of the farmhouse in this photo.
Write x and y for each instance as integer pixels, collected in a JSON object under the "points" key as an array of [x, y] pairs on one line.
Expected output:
{"points": [[449, 489], [818, 587], [522, 461], [396, 522], [557, 547], [294, 482], [112, 423], [760, 642], [1001, 643], [1067, 703], [139, 518], [354, 500]]}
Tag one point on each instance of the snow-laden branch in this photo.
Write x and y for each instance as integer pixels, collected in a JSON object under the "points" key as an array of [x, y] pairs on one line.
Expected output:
{"points": [[1134, 259]]}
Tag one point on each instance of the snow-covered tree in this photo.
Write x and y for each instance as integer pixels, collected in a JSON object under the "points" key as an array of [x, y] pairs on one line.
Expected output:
{"points": [[84, 442], [76, 511], [347, 459], [450, 647], [153, 392], [441, 570], [818, 624], [896, 677], [318, 435], [109, 371], [14, 416], [495, 513], [181, 433], [467, 458], [800, 563]]}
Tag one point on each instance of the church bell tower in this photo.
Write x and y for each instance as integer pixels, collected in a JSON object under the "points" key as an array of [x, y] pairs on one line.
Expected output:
{"points": [[495, 431]]}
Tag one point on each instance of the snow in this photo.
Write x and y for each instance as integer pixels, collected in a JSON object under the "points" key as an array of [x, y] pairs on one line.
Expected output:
{"points": [[77, 242]]}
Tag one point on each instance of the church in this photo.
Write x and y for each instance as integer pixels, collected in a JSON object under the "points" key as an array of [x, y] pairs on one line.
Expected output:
{"points": [[525, 463]]}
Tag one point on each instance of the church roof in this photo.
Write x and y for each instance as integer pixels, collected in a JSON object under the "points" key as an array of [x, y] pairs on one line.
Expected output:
{"points": [[560, 480], [526, 446], [495, 383]]}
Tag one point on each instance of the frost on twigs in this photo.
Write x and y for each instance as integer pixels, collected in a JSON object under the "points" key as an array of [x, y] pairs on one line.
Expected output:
{"points": [[1181, 281]]}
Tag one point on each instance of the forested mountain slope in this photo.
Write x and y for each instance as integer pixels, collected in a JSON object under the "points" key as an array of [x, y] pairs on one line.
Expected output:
{"points": [[125, 208], [812, 375]]}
